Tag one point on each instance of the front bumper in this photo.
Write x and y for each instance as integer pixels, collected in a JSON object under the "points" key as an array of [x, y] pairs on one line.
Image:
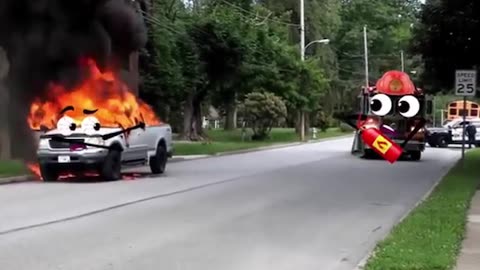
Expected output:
{"points": [[410, 147], [78, 160]]}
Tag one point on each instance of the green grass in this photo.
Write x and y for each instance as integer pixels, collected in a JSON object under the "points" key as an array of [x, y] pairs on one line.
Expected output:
{"points": [[12, 168], [224, 141], [430, 237]]}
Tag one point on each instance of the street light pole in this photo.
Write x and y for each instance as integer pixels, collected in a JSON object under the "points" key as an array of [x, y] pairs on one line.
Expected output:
{"points": [[302, 54], [365, 42], [403, 61]]}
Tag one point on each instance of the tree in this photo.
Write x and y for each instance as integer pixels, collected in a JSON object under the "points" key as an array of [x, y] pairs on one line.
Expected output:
{"points": [[263, 110], [446, 37], [160, 66], [221, 48]]}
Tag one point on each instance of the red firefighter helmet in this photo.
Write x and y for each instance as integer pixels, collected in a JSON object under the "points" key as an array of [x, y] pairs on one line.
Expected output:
{"points": [[395, 83]]}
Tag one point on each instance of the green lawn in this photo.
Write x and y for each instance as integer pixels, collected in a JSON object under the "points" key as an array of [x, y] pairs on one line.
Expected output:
{"points": [[430, 237], [224, 141], [12, 168]]}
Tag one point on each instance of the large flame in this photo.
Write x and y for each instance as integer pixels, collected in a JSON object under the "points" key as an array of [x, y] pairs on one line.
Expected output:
{"points": [[116, 105]]}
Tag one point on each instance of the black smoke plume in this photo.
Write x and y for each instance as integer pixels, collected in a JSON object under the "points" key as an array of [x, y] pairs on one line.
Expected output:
{"points": [[45, 40]]}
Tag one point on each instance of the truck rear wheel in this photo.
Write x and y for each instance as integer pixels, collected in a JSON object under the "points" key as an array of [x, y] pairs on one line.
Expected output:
{"points": [[111, 168], [48, 174], [158, 163]]}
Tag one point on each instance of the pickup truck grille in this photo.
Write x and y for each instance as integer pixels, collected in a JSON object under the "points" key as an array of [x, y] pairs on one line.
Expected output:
{"points": [[64, 145]]}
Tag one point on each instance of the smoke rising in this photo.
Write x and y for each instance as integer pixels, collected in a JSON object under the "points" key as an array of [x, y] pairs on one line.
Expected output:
{"points": [[45, 39]]}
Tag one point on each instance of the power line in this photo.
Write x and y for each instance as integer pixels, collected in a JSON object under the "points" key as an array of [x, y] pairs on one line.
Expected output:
{"points": [[256, 15]]}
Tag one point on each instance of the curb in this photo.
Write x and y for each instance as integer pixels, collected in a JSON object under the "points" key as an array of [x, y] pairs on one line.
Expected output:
{"points": [[16, 179], [470, 244], [361, 265], [258, 149]]}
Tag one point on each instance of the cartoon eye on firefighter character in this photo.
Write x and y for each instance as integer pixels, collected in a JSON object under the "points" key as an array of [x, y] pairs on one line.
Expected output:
{"points": [[393, 95], [90, 126]]}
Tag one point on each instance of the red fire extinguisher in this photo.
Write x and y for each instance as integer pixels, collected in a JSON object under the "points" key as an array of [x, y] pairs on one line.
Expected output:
{"points": [[381, 144]]}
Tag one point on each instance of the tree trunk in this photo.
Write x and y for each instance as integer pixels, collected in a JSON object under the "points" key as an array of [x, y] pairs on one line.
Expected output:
{"points": [[5, 151], [197, 129], [231, 108], [298, 122], [187, 117], [307, 124]]}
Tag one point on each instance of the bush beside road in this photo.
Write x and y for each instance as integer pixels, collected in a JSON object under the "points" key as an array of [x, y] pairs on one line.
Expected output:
{"points": [[431, 236], [225, 141]]}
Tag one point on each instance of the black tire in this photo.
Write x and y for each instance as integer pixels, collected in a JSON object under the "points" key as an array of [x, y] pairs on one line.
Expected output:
{"points": [[158, 163], [111, 169], [48, 174], [369, 154], [415, 155], [442, 142]]}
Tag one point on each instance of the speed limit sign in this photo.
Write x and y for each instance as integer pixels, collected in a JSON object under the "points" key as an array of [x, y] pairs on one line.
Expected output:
{"points": [[465, 82]]}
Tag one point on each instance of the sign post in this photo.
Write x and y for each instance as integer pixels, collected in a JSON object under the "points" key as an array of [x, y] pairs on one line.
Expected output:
{"points": [[465, 85]]}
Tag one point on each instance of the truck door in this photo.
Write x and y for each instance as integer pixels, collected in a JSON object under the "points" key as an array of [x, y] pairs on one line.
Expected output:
{"points": [[136, 148]]}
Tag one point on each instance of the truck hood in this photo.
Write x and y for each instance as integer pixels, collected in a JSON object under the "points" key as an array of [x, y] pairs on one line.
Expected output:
{"points": [[80, 132]]}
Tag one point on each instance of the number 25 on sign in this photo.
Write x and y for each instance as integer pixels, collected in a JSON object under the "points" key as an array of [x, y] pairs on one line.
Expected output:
{"points": [[465, 82]]}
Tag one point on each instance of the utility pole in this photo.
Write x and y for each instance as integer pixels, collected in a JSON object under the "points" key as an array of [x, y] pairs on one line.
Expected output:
{"points": [[365, 41], [302, 54], [403, 61]]}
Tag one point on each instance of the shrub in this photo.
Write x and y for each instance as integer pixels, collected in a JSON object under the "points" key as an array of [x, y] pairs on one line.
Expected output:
{"points": [[345, 128], [323, 121], [263, 110]]}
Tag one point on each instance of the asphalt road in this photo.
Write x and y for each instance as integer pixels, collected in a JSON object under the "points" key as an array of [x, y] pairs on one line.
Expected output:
{"points": [[300, 208]]}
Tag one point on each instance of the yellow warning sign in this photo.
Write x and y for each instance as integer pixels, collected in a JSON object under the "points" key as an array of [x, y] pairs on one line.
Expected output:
{"points": [[381, 144]]}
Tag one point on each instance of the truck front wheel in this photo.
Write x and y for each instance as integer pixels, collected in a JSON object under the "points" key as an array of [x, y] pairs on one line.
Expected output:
{"points": [[48, 174], [415, 155], [111, 168], [158, 163]]}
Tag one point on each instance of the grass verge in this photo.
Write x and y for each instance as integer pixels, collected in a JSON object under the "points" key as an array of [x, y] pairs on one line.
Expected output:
{"points": [[12, 168], [225, 141], [430, 237]]}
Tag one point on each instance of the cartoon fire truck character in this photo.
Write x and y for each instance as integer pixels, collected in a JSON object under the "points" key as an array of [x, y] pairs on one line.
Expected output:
{"points": [[392, 118]]}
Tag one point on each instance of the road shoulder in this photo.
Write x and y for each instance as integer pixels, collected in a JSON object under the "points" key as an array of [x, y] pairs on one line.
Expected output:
{"points": [[15, 179]]}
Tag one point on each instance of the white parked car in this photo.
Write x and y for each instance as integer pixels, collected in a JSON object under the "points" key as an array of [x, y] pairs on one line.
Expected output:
{"points": [[105, 150]]}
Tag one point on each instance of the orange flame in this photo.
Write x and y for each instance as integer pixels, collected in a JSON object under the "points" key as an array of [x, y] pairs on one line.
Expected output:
{"points": [[116, 105], [35, 169]]}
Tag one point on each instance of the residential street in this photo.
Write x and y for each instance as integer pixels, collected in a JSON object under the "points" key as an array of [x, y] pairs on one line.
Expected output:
{"points": [[298, 208]]}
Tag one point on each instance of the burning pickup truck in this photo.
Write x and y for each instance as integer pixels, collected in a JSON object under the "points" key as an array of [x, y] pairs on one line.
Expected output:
{"points": [[103, 150], [98, 126]]}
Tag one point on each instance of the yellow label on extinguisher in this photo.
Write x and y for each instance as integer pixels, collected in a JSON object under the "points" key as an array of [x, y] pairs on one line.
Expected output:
{"points": [[382, 144]]}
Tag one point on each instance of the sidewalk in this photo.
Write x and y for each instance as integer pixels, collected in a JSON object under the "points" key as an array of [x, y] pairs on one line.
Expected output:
{"points": [[469, 258]]}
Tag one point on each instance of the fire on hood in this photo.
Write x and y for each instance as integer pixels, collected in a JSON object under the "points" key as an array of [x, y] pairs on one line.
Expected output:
{"points": [[103, 91]]}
